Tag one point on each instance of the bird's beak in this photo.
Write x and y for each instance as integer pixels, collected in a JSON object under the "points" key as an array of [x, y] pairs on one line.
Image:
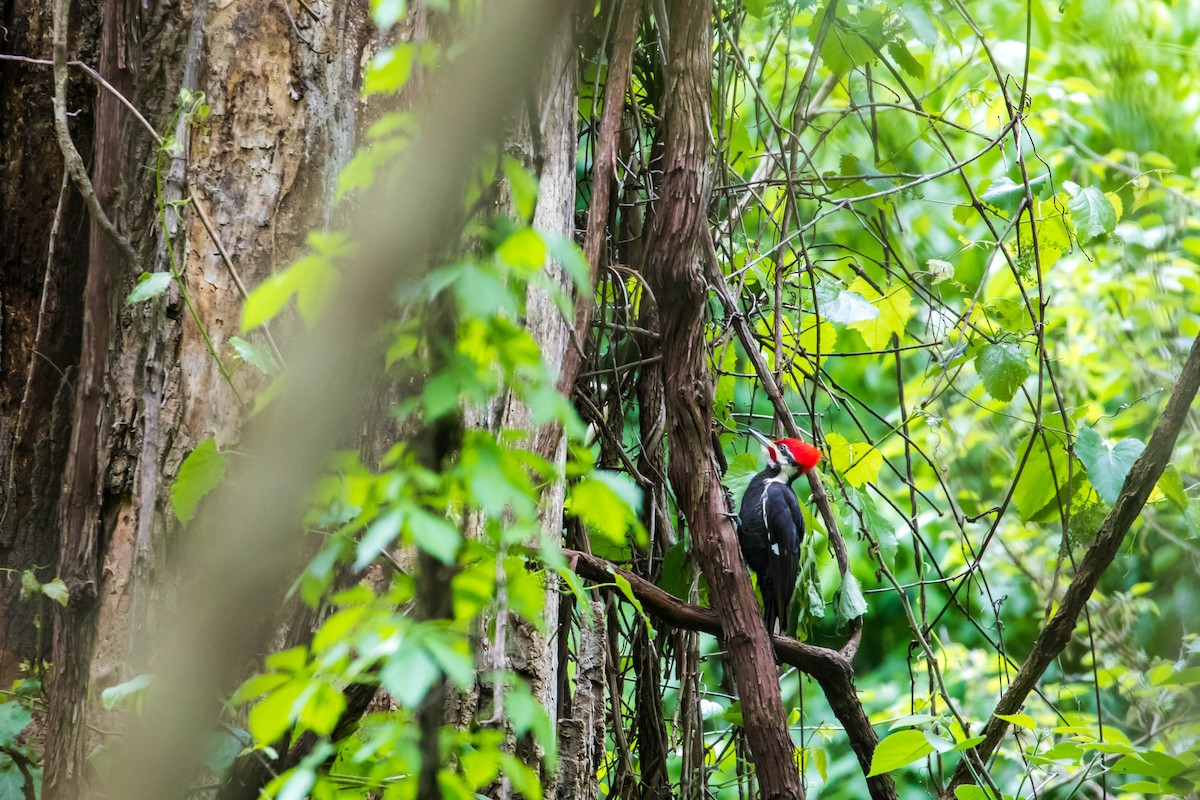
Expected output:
{"points": [[763, 440]]}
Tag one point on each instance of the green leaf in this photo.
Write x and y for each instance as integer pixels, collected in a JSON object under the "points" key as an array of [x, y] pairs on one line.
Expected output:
{"points": [[13, 719], [524, 248], [435, 535], [1149, 762], [387, 13], [199, 474], [12, 785], [849, 602], [858, 462], [742, 468], [57, 591], [1041, 479], [1092, 212], [608, 503], [522, 185], [895, 309], [379, 536], [409, 674], [1020, 720], [298, 784], [1003, 195], [255, 355], [675, 575], [114, 695], [521, 776], [149, 285], [390, 69], [1107, 462], [1171, 485], [904, 59], [899, 749], [1002, 368], [272, 716], [323, 708], [974, 793]]}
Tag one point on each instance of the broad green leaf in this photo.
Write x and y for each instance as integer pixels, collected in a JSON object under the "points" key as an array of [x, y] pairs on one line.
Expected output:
{"points": [[895, 309], [1020, 720], [524, 248], [435, 535], [742, 468], [858, 462], [271, 717], [409, 674], [298, 784], [1091, 212], [12, 785], [849, 603], [521, 776], [149, 285], [898, 750], [904, 59], [113, 695], [1149, 762], [453, 655], [323, 708], [1041, 479], [255, 355], [608, 503], [1002, 368], [1003, 195], [1171, 485], [199, 474], [481, 766], [13, 719], [390, 69], [1107, 462], [57, 591]]}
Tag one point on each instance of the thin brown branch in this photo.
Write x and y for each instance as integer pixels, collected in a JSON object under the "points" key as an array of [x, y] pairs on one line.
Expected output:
{"points": [[71, 158]]}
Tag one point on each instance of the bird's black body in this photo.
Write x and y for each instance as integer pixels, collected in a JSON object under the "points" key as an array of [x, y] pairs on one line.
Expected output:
{"points": [[770, 533]]}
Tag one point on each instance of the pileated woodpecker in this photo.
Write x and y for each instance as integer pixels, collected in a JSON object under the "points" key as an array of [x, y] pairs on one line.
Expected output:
{"points": [[772, 525]]}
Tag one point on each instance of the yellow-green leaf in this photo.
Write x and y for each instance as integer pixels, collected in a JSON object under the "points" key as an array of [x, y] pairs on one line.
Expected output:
{"points": [[858, 462], [895, 309]]}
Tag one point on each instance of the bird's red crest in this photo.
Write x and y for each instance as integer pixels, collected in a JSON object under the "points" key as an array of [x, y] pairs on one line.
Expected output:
{"points": [[805, 454]]}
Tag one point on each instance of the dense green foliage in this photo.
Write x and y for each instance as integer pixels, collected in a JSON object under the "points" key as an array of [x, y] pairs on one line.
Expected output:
{"points": [[966, 240]]}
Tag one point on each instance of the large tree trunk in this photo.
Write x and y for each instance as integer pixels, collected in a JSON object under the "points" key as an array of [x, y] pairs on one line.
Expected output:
{"points": [[678, 221], [105, 400]]}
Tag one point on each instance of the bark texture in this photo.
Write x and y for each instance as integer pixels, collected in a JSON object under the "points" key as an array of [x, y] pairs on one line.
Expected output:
{"points": [[127, 391], [673, 271], [43, 243]]}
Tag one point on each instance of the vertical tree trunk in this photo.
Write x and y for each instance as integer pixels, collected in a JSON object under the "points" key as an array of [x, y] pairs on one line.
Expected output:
{"points": [[679, 219], [103, 399]]}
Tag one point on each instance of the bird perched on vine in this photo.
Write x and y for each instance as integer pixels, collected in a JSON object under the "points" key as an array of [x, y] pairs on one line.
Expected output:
{"points": [[772, 525]]}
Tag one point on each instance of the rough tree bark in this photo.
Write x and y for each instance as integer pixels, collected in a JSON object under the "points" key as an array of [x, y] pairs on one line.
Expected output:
{"points": [[673, 271], [129, 390]]}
